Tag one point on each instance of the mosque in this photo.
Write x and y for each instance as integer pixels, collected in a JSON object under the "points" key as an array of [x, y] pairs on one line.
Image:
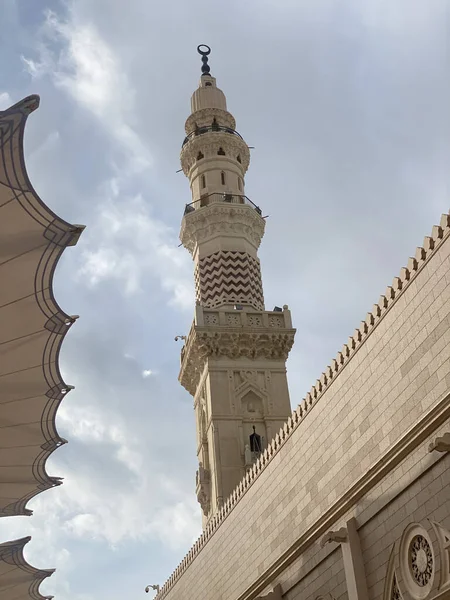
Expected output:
{"points": [[348, 496], [345, 498]]}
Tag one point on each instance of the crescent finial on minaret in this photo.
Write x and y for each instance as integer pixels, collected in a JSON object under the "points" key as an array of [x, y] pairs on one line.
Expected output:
{"points": [[204, 50]]}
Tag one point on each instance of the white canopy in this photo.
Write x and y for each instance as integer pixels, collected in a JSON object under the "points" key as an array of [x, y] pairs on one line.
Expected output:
{"points": [[18, 579], [32, 325]]}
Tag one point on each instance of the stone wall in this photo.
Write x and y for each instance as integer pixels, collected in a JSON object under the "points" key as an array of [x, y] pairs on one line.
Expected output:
{"points": [[370, 413], [416, 491]]}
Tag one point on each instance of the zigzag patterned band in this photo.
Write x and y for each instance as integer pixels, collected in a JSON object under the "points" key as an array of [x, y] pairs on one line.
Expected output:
{"points": [[227, 277]]}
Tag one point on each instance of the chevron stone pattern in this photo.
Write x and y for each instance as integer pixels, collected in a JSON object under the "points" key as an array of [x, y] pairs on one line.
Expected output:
{"points": [[228, 277]]}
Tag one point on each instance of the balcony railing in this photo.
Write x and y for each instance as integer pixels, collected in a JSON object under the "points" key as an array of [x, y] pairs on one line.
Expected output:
{"points": [[207, 129], [218, 198]]}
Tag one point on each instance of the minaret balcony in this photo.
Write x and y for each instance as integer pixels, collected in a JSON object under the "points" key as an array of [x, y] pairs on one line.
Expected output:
{"points": [[220, 198], [210, 128], [239, 333], [243, 316]]}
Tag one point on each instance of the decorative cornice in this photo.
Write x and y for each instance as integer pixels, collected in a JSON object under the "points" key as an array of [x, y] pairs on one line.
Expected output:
{"points": [[221, 219], [205, 116], [209, 143], [207, 342], [441, 412]]}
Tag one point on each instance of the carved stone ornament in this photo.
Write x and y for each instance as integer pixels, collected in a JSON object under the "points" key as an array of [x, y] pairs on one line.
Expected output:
{"points": [[441, 444], [205, 116], [221, 219], [208, 144], [395, 591], [417, 561], [248, 375], [203, 344], [421, 560], [203, 495], [275, 594], [203, 499], [339, 537], [391, 588]]}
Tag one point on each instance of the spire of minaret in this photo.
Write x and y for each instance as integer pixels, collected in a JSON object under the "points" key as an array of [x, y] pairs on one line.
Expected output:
{"points": [[205, 51], [233, 360]]}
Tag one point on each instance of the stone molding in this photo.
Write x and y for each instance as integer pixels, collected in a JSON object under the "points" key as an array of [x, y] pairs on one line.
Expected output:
{"points": [[209, 143], [221, 219], [443, 540], [407, 443], [205, 116], [208, 342]]}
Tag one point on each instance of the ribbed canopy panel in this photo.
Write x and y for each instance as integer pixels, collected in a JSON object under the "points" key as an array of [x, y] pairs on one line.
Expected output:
{"points": [[32, 325]]}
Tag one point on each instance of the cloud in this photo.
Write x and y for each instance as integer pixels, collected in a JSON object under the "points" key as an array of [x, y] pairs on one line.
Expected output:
{"points": [[127, 245], [80, 62], [5, 100]]}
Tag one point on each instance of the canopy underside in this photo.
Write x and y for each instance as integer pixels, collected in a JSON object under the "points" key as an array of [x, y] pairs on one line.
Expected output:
{"points": [[32, 325], [18, 579]]}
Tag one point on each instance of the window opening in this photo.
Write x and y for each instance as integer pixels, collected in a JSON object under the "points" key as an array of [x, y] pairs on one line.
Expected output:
{"points": [[255, 442], [222, 178], [203, 181]]}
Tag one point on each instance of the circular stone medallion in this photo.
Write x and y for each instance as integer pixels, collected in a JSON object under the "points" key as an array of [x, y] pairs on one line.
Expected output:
{"points": [[420, 560], [417, 561]]}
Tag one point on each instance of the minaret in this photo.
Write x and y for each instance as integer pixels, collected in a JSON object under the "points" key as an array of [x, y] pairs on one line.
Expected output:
{"points": [[234, 359]]}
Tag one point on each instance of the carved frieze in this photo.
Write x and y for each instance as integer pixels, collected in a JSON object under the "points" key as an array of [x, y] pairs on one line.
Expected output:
{"points": [[208, 144], [203, 344], [205, 116], [221, 219]]}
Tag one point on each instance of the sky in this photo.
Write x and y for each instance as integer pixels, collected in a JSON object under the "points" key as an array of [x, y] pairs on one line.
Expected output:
{"points": [[347, 105]]}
